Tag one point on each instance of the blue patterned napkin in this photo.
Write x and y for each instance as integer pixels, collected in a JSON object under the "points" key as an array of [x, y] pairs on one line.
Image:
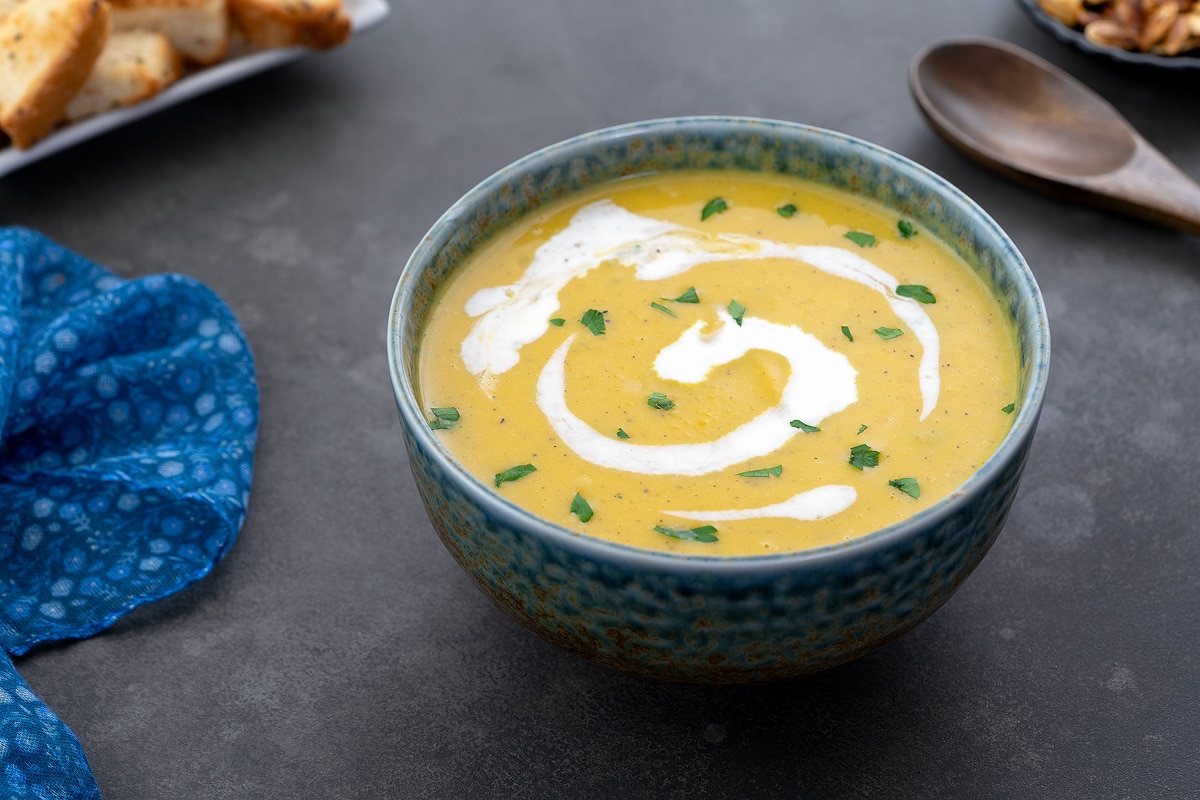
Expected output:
{"points": [[129, 413]]}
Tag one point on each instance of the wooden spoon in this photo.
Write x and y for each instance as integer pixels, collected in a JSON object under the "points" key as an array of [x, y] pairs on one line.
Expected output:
{"points": [[1028, 120]]}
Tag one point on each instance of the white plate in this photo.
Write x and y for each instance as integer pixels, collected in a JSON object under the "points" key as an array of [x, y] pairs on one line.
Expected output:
{"points": [[364, 14]]}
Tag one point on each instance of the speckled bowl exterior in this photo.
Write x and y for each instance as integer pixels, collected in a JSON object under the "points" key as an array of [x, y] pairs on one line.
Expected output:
{"points": [[697, 618]]}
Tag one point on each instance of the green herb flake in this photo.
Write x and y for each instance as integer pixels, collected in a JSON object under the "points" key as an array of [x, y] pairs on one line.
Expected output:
{"points": [[888, 333], [443, 418], [861, 455], [514, 473], [787, 211], [663, 308], [715, 206], [705, 533], [737, 311], [907, 485], [593, 320], [769, 472], [557, 322], [861, 428], [804, 426], [916, 291], [861, 239], [689, 296], [846, 332], [621, 434], [580, 508], [660, 401], [907, 231], [1010, 408]]}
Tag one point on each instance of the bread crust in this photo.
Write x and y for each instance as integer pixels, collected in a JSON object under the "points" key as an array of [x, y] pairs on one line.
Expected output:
{"points": [[134, 66], [318, 24], [56, 66], [50, 47]]}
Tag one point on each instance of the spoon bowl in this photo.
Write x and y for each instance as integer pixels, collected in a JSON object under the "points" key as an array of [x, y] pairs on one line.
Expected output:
{"points": [[1030, 121]]}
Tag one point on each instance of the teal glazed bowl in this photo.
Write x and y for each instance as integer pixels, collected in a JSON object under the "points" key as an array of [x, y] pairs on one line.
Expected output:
{"points": [[716, 619]]}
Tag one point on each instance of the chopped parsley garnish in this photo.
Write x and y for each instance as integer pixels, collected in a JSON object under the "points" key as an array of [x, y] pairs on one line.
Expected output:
{"points": [[1008, 409], [907, 231], [916, 292], [594, 321], [804, 426], [580, 507], [907, 485], [787, 211], [769, 472], [861, 239], [557, 322], [702, 534], [861, 428], [514, 473], [660, 401], [714, 206], [621, 434], [443, 418], [861, 455], [663, 308], [737, 311], [846, 332], [689, 296], [888, 333]]}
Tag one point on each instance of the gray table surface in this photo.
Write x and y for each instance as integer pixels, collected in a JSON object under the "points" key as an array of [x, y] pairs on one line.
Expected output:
{"points": [[338, 651]]}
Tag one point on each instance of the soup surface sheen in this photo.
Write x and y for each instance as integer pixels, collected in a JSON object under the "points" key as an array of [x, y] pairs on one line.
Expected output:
{"points": [[718, 363]]}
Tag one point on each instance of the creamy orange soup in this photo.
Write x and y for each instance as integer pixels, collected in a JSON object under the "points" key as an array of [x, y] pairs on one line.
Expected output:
{"points": [[718, 363]]}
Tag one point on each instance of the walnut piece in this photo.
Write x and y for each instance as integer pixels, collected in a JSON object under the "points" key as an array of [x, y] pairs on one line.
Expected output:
{"points": [[1162, 27]]}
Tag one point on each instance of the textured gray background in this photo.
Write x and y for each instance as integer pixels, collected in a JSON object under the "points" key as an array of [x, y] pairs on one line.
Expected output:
{"points": [[339, 652]]}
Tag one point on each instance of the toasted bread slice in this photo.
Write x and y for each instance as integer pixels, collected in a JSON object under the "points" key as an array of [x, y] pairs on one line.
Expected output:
{"points": [[49, 49], [319, 24], [133, 66], [198, 29]]}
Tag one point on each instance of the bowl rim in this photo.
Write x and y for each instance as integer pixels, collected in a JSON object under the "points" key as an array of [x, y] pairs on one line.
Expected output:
{"points": [[1013, 446]]}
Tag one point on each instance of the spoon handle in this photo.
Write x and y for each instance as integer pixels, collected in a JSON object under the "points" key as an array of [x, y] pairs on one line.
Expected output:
{"points": [[1151, 187]]}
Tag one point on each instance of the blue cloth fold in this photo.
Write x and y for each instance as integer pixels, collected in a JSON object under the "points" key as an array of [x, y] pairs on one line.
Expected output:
{"points": [[39, 755], [129, 414]]}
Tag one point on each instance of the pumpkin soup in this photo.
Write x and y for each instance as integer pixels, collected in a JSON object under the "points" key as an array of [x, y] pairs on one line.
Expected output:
{"points": [[718, 363]]}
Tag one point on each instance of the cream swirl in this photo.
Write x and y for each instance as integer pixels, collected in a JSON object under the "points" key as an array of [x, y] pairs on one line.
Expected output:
{"points": [[513, 316], [821, 383]]}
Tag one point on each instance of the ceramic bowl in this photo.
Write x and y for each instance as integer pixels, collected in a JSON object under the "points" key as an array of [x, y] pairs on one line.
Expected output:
{"points": [[696, 618]]}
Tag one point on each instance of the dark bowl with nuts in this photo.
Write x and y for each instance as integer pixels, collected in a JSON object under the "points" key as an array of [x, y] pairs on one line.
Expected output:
{"points": [[1163, 34]]}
